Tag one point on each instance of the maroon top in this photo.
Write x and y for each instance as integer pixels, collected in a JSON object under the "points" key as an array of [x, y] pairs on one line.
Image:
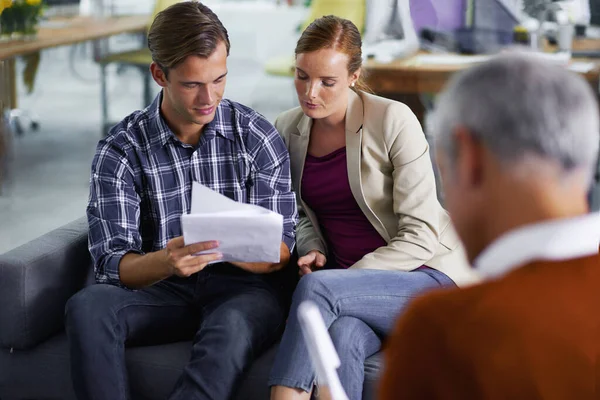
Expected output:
{"points": [[326, 190]]}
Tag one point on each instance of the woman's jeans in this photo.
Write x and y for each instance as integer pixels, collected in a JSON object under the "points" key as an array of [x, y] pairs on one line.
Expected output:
{"points": [[359, 307]]}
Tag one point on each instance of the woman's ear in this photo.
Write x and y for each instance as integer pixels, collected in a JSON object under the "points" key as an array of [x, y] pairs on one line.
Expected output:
{"points": [[355, 76]]}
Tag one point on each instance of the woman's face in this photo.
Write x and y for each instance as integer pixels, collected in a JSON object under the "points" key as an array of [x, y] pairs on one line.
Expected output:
{"points": [[322, 82]]}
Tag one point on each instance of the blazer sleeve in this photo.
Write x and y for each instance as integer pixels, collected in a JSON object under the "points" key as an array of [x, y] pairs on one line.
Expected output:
{"points": [[415, 198], [307, 238]]}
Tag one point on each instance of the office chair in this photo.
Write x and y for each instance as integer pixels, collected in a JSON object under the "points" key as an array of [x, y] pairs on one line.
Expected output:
{"points": [[17, 117], [139, 59], [354, 10]]}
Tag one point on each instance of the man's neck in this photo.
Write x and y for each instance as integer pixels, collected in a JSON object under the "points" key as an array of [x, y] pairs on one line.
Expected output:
{"points": [[526, 203], [190, 134], [186, 132]]}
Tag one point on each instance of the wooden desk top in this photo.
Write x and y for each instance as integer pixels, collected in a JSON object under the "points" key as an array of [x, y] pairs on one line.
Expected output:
{"points": [[75, 30], [406, 76]]}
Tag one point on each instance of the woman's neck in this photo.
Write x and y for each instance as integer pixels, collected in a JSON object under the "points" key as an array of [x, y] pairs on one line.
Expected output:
{"points": [[336, 120]]}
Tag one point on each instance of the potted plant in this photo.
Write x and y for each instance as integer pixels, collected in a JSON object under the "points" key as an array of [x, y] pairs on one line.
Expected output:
{"points": [[27, 15], [20, 18], [7, 26]]}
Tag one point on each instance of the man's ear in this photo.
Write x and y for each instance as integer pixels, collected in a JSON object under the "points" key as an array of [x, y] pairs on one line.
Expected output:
{"points": [[158, 75], [469, 157]]}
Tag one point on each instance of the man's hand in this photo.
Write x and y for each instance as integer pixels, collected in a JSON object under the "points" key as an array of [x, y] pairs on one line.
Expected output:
{"points": [[182, 259], [265, 267], [137, 271], [308, 263]]}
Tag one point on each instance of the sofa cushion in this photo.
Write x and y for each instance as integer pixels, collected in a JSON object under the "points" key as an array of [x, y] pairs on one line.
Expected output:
{"points": [[37, 279], [43, 372], [38, 373]]}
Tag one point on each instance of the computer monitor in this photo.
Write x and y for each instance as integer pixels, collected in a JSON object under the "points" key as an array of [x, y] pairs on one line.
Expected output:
{"points": [[500, 15], [489, 26], [442, 15]]}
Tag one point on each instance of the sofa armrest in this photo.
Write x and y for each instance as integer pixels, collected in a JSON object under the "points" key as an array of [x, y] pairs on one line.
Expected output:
{"points": [[37, 279]]}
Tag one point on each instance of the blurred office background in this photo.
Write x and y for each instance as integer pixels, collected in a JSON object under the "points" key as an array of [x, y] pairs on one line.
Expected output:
{"points": [[46, 183], [47, 170]]}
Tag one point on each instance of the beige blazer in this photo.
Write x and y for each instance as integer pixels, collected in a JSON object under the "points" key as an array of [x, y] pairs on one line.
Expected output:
{"points": [[391, 178]]}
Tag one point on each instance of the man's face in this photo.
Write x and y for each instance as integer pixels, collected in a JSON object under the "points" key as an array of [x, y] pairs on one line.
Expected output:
{"points": [[462, 183], [453, 201], [194, 88]]}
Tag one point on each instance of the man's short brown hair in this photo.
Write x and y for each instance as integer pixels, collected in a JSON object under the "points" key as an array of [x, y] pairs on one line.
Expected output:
{"points": [[185, 29]]}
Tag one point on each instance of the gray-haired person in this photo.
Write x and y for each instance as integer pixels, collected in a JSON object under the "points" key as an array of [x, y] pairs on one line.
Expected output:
{"points": [[517, 142]]}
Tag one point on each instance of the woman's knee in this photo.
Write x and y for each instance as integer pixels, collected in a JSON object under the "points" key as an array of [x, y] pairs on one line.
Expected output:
{"points": [[314, 286], [353, 338]]}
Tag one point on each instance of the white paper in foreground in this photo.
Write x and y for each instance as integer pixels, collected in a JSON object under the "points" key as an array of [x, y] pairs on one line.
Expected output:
{"points": [[245, 232], [322, 352]]}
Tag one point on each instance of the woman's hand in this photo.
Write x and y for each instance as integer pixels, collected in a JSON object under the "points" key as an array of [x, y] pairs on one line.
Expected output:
{"points": [[308, 263]]}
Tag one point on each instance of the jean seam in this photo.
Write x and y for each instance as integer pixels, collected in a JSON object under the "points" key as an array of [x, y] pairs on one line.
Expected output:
{"points": [[435, 275], [120, 345], [338, 301], [123, 379]]}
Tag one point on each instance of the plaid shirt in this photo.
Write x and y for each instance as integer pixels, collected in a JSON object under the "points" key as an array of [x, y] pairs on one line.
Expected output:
{"points": [[142, 176]]}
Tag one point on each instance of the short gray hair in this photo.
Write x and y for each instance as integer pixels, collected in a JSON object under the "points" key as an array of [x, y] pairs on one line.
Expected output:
{"points": [[520, 106]]}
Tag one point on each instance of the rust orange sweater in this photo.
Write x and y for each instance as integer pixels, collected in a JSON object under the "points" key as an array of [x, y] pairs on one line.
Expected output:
{"points": [[532, 334]]}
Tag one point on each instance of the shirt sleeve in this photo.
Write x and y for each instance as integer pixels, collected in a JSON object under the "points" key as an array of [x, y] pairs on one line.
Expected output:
{"points": [[113, 212], [272, 182]]}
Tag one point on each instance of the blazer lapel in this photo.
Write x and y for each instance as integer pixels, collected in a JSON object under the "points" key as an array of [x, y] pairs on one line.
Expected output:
{"points": [[298, 148], [354, 122], [354, 137]]}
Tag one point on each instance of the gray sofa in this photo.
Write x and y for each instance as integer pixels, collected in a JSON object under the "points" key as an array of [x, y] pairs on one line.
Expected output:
{"points": [[36, 280]]}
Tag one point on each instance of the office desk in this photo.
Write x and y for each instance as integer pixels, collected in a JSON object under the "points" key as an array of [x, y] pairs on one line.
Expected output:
{"points": [[60, 32], [406, 80], [56, 32]]}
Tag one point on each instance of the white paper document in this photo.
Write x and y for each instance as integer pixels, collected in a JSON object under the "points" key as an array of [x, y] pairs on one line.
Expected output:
{"points": [[245, 232]]}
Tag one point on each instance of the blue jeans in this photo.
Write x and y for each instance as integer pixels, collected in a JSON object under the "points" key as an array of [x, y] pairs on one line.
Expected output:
{"points": [[360, 308], [234, 315]]}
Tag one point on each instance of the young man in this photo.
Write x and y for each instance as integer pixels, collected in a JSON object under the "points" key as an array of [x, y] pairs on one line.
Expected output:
{"points": [[151, 287], [518, 140]]}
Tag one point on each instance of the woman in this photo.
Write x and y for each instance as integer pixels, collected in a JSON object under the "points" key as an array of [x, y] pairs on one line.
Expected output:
{"points": [[368, 209]]}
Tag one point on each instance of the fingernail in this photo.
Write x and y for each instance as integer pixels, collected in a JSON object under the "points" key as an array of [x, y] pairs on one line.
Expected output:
{"points": [[219, 255], [215, 243]]}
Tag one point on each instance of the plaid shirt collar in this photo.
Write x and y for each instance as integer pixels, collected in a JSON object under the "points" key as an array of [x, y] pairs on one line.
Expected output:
{"points": [[160, 133]]}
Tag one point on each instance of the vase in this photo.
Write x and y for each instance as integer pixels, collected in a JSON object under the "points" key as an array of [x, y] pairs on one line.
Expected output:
{"points": [[30, 36], [30, 29]]}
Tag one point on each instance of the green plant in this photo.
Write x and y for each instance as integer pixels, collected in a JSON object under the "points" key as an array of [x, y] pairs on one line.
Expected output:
{"points": [[21, 16]]}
